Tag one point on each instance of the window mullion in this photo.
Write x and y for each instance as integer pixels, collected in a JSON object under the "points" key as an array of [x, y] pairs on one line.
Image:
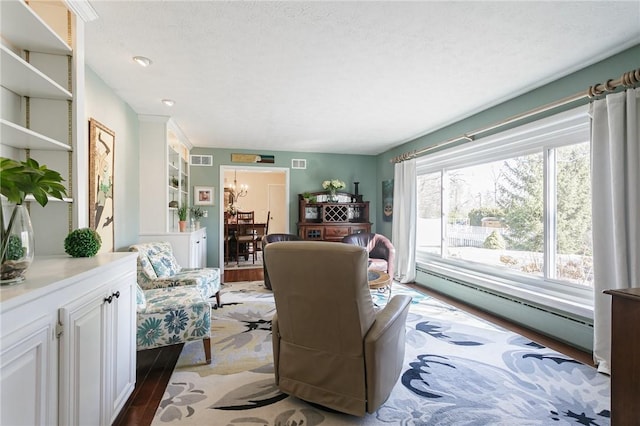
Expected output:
{"points": [[550, 213], [444, 212]]}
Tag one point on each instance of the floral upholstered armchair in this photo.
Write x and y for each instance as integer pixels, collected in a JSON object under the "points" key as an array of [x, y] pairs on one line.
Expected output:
{"points": [[172, 315], [158, 268]]}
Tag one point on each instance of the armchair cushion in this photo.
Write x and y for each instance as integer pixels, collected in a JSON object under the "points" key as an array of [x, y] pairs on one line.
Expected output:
{"points": [[158, 268], [162, 260], [172, 315]]}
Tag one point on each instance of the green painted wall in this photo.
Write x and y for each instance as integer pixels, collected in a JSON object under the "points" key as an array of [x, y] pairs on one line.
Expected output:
{"points": [[320, 167], [104, 105], [611, 68]]}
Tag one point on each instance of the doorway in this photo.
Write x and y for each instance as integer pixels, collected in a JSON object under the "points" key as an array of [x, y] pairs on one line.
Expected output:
{"points": [[267, 193]]}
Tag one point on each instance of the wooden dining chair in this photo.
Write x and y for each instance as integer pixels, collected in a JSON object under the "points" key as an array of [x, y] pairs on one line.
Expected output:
{"points": [[245, 235], [261, 232]]}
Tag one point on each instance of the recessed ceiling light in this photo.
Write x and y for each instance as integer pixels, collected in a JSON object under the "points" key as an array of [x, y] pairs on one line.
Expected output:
{"points": [[168, 102], [142, 61]]}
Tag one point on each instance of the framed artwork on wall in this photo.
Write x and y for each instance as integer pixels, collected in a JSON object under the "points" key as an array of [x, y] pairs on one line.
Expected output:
{"points": [[101, 182], [387, 200], [203, 196]]}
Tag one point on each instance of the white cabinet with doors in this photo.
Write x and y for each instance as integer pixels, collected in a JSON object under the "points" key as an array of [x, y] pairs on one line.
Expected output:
{"points": [[189, 248], [67, 341]]}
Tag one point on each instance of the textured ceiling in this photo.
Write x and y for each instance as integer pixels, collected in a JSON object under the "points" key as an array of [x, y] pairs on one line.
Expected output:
{"points": [[341, 77]]}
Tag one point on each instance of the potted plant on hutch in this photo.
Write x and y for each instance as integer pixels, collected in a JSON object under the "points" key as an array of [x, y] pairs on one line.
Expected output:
{"points": [[197, 213], [18, 180], [182, 217]]}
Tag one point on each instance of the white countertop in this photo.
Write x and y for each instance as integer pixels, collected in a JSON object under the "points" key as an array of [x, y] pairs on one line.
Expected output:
{"points": [[50, 273]]}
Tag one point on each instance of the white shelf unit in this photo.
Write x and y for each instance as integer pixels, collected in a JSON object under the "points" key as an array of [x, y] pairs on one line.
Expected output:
{"points": [[164, 174], [37, 107]]}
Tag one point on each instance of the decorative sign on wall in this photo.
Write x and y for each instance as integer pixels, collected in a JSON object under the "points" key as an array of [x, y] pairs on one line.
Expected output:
{"points": [[252, 158], [101, 180]]}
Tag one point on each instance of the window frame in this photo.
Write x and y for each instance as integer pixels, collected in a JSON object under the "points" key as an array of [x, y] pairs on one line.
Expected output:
{"points": [[562, 129]]}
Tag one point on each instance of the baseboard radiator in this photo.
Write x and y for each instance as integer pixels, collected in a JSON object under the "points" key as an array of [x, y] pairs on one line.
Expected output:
{"points": [[571, 330]]}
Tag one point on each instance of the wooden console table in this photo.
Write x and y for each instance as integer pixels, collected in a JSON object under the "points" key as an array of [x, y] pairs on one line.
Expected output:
{"points": [[625, 356]]}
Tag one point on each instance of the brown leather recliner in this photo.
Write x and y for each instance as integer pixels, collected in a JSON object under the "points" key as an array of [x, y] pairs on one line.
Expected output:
{"points": [[381, 252], [330, 346], [272, 238]]}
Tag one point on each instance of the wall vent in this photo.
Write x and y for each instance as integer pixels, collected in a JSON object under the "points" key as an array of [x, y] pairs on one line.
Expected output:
{"points": [[201, 160], [298, 163]]}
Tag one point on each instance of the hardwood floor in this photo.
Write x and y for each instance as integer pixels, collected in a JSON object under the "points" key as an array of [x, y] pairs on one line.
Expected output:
{"points": [[243, 274], [156, 365], [154, 368]]}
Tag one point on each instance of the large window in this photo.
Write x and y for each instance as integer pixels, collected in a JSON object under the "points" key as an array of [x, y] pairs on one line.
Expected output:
{"points": [[515, 206]]}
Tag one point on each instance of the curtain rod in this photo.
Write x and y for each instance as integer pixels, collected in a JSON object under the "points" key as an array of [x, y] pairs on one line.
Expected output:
{"points": [[628, 79]]}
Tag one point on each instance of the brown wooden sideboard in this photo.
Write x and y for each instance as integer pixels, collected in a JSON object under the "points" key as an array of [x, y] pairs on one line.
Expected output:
{"points": [[321, 220], [625, 356]]}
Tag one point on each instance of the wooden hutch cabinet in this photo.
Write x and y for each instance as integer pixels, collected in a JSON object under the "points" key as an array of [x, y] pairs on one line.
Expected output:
{"points": [[322, 220]]}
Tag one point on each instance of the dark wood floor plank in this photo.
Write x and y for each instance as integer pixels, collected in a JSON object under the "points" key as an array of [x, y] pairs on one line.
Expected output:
{"points": [[154, 369]]}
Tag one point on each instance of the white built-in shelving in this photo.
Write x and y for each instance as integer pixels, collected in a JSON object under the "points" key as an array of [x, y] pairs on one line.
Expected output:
{"points": [[24, 28], [164, 174], [21, 77], [37, 103], [16, 136]]}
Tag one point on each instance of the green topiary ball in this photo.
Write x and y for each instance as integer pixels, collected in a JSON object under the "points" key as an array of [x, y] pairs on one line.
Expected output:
{"points": [[83, 242]]}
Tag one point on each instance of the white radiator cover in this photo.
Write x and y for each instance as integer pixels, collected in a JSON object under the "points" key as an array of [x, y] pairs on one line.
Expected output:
{"points": [[574, 331]]}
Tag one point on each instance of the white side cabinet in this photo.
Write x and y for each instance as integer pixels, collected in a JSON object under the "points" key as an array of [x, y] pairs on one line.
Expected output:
{"points": [[189, 248], [67, 348]]}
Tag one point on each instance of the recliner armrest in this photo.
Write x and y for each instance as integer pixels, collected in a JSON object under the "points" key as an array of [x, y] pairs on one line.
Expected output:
{"points": [[387, 318], [384, 350]]}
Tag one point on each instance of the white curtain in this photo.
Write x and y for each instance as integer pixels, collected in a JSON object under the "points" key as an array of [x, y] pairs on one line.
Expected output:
{"points": [[616, 208], [403, 231]]}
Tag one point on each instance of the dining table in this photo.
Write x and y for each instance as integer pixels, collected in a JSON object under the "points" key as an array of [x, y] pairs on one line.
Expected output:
{"points": [[231, 230]]}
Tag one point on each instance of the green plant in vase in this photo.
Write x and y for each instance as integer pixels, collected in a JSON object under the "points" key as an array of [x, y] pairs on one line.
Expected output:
{"points": [[182, 212], [18, 180], [197, 213]]}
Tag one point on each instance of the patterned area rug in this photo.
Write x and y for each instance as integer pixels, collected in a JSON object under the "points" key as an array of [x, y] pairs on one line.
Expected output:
{"points": [[459, 370]]}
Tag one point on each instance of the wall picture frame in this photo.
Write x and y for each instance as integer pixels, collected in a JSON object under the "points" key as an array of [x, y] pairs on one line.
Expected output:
{"points": [[101, 182], [203, 196], [387, 200]]}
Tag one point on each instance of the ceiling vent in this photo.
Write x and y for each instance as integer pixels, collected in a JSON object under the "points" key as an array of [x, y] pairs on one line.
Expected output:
{"points": [[298, 163], [201, 160]]}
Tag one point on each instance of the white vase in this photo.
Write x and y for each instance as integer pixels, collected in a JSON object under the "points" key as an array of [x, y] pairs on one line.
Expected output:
{"points": [[17, 246]]}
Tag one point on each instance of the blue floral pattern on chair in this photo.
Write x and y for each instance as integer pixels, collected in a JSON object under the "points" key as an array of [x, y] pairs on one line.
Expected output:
{"points": [[172, 315], [158, 268]]}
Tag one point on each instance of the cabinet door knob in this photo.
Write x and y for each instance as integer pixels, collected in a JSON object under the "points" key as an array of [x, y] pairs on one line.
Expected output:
{"points": [[108, 299], [117, 294]]}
